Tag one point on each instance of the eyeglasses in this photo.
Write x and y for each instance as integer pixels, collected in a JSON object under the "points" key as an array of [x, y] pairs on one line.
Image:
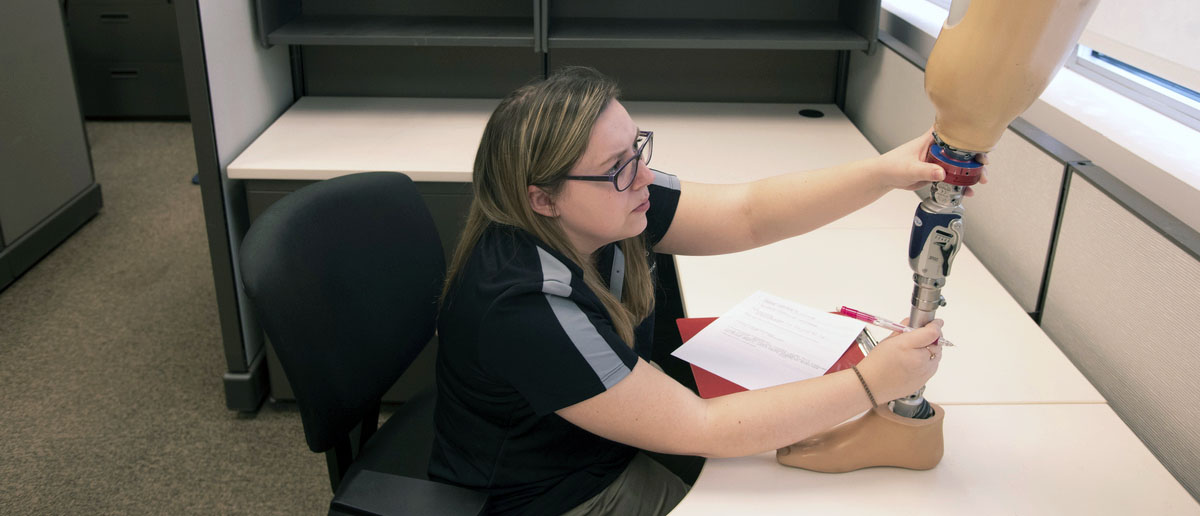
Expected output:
{"points": [[621, 176]]}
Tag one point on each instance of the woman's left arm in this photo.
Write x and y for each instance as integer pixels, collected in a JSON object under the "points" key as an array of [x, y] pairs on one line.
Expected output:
{"points": [[718, 219]]}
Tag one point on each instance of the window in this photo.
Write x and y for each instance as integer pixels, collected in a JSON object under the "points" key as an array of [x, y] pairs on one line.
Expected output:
{"points": [[1169, 98], [1158, 37], [1146, 52]]}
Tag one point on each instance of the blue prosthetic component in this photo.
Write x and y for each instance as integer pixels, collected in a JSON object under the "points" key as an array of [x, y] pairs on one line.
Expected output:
{"points": [[923, 224]]}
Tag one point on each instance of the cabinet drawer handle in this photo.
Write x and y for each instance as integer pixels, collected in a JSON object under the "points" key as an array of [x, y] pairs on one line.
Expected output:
{"points": [[124, 74], [114, 18]]}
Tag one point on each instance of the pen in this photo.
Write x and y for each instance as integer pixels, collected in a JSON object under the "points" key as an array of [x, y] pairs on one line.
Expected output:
{"points": [[881, 322]]}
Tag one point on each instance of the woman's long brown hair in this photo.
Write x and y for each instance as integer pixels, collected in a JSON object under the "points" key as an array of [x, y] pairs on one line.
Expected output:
{"points": [[534, 137]]}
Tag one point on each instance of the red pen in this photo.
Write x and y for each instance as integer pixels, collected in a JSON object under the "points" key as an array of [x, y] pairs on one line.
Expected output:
{"points": [[881, 322]]}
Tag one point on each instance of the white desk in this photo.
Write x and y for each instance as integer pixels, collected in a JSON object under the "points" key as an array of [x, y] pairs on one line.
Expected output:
{"points": [[1001, 355], [323, 137], [746, 142], [1000, 459], [436, 139]]}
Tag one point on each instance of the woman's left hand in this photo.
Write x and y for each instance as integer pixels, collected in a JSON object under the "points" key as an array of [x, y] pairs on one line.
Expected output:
{"points": [[905, 167]]}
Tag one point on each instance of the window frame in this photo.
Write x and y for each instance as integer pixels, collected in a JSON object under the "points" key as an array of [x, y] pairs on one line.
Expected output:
{"points": [[1137, 85]]}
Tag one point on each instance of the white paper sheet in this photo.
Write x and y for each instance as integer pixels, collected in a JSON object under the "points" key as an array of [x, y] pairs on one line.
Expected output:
{"points": [[767, 340]]}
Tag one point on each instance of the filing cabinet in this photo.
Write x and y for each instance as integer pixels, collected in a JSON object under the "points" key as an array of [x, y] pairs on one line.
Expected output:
{"points": [[127, 59], [47, 189]]}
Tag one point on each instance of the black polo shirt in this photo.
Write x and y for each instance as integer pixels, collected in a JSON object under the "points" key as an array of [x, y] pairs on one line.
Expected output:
{"points": [[520, 337]]}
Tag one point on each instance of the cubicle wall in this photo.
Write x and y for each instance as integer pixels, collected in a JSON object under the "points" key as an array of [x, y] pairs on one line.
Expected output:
{"points": [[1010, 224], [1113, 279], [1122, 303], [236, 88]]}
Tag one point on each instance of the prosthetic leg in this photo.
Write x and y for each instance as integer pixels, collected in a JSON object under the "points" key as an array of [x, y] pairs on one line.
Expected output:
{"points": [[937, 233], [992, 59]]}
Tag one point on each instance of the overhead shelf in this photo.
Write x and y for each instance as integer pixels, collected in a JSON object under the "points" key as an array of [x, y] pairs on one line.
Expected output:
{"points": [[404, 31], [703, 34]]}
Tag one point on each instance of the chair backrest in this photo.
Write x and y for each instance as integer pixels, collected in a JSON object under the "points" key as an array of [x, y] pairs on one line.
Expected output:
{"points": [[344, 275]]}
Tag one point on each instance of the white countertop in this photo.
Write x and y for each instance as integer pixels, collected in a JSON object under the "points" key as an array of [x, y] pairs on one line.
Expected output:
{"points": [[436, 139], [999, 459], [323, 137], [1001, 355], [745, 142]]}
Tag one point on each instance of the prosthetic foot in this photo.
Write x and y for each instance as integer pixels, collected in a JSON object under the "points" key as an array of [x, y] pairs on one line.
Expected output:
{"points": [[879, 438]]}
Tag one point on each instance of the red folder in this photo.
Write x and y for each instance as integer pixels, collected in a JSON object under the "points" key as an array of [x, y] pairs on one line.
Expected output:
{"points": [[711, 385]]}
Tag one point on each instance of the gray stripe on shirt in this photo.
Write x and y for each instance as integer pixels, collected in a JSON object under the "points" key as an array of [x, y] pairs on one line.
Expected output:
{"points": [[665, 180], [556, 284], [616, 280], [603, 360], [556, 277]]}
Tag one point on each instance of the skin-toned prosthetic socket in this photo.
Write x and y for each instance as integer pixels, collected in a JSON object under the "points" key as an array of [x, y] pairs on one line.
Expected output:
{"points": [[878, 438], [992, 59]]}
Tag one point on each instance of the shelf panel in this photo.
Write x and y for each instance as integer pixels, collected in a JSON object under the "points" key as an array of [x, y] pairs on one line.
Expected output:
{"points": [[405, 31], [703, 34]]}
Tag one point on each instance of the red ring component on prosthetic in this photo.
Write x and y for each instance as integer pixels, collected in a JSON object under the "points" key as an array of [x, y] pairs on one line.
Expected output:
{"points": [[961, 173]]}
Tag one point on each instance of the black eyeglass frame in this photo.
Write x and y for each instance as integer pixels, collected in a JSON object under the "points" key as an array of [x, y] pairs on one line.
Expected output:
{"points": [[637, 155]]}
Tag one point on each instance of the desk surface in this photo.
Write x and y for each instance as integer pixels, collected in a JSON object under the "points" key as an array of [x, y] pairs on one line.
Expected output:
{"points": [[755, 141], [323, 137], [1001, 355], [436, 139], [1000, 459]]}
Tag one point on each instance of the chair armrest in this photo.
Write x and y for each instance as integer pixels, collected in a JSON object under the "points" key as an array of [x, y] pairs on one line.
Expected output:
{"points": [[373, 493]]}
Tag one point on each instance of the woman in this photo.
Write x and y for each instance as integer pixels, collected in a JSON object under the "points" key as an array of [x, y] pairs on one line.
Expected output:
{"points": [[545, 394]]}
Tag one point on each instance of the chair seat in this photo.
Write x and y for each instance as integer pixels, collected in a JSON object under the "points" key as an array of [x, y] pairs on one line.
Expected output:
{"points": [[376, 482], [374, 493], [404, 442]]}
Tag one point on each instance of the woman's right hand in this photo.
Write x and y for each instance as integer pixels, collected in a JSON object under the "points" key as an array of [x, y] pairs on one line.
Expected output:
{"points": [[903, 362]]}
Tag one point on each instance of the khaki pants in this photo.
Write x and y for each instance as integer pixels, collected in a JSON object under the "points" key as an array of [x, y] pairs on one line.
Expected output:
{"points": [[644, 488]]}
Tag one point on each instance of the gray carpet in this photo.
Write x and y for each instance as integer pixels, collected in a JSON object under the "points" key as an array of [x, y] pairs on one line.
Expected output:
{"points": [[111, 399]]}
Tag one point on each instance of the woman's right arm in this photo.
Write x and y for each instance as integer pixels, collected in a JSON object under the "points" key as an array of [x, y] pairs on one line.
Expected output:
{"points": [[651, 411]]}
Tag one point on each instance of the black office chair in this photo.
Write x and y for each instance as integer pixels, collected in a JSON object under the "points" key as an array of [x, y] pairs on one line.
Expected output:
{"points": [[344, 275]]}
